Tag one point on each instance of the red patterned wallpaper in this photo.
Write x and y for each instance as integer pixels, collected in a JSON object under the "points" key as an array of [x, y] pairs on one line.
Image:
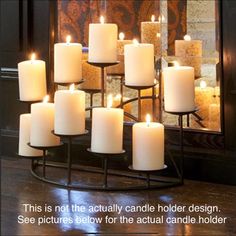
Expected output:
{"points": [[177, 22], [74, 17]]}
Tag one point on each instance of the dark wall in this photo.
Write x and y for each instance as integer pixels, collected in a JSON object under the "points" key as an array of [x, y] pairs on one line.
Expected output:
{"points": [[25, 27], [229, 71]]}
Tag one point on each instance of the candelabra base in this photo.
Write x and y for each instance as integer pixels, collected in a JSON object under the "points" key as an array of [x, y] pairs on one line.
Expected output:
{"points": [[44, 149], [121, 180]]}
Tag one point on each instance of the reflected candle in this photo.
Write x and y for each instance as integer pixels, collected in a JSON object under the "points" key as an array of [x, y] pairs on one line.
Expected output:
{"points": [[179, 90], [139, 64]]}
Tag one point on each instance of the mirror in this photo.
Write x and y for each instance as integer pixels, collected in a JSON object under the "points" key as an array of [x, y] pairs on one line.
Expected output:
{"points": [[199, 49]]}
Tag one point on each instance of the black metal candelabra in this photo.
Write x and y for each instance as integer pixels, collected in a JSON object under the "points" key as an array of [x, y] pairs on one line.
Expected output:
{"points": [[103, 65], [69, 138], [181, 114]]}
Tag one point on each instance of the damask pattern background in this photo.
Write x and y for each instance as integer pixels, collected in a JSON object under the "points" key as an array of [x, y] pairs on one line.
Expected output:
{"points": [[74, 17]]}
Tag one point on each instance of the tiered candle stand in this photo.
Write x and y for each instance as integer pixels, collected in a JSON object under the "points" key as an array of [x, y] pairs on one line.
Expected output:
{"points": [[105, 160], [69, 148], [181, 137], [139, 89], [44, 149], [102, 65], [152, 181]]}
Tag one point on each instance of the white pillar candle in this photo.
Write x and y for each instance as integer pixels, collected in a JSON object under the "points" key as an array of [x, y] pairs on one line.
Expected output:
{"points": [[148, 145], [189, 53], [24, 137], [42, 124], [69, 112], [139, 64], [179, 88], [150, 33], [107, 130], [32, 79], [102, 42], [68, 62]]}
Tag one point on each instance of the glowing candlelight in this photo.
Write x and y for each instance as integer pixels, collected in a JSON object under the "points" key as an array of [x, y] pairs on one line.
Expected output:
{"points": [[33, 57], [153, 18], [135, 42], [121, 36], [46, 99], [118, 96], [109, 101], [148, 119], [72, 88], [68, 39], [102, 19], [203, 84], [187, 37], [176, 64], [161, 18], [158, 35]]}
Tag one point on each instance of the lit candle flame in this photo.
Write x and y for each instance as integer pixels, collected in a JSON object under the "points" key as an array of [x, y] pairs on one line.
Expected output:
{"points": [[158, 35], [148, 119], [121, 36], [33, 56], [153, 18], [109, 101], [135, 42], [203, 84], [68, 39], [102, 19], [118, 97], [187, 37], [176, 64], [161, 18], [46, 99], [72, 88]]}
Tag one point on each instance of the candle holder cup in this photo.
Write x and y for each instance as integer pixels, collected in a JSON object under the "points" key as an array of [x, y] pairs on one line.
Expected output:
{"points": [[147, 173], [139, 98], [70, 83]]}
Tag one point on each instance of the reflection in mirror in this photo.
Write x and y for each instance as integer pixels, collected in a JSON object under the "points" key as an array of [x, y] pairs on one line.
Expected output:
{"points": [[182, 31], [199, 48]]}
